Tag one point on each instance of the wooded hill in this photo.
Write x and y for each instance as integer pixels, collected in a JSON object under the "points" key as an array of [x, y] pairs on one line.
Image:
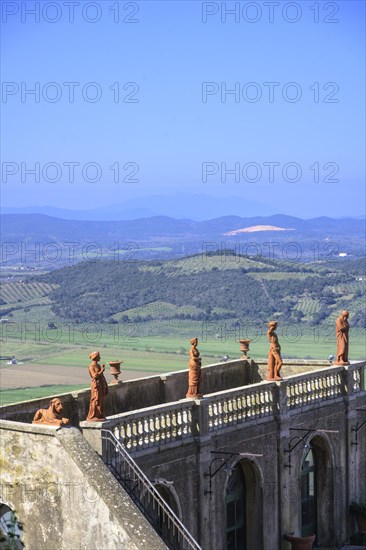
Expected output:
{"points": [[206, 287]]}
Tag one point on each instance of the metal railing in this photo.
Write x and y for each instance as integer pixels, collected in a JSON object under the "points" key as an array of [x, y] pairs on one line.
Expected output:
{"points": [[145, 495]]}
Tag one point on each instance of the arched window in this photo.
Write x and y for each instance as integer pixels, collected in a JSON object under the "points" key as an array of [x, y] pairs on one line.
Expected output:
{"points": [[308, 495], [235, 511], [168, 497], [163, 525]]}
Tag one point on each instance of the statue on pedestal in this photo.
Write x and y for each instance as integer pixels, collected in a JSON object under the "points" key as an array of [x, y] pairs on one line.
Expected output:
{"points": [[274, 355], [51, 416], [342, 330], [99, 389], [194, 378]]}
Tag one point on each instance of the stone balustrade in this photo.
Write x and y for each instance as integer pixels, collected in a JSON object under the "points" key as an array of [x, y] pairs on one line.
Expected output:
{"points": [[153, 426], [240, 405], [356, 378], [186, 419], [315, 386]]}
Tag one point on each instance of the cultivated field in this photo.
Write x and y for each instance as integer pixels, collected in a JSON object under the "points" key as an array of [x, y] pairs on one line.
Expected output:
{"points": [[48, 366]]}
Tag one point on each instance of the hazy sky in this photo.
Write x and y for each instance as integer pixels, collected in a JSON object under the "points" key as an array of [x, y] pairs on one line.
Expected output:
{"points": [[132, 95]]}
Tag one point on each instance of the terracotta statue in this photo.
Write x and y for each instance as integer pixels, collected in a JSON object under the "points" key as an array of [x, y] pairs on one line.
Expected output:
{"points": [[99, 389], [52, 415], [274, 354], [342, 330], [194, 378]]}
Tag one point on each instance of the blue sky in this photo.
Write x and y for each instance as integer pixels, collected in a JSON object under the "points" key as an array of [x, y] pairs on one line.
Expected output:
{"points": [[163, 132]]}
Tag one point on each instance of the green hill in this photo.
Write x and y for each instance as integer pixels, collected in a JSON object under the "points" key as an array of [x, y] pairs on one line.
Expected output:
{"points": [[203, 288]]}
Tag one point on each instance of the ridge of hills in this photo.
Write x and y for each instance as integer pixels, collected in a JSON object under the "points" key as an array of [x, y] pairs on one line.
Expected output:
{"points": [[201, 288], [176, 203], [164, 237], [39, 224]]}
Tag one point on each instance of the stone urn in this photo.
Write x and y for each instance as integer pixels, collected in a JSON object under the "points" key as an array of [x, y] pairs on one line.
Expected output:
{"points": [[244, 348], [115, 370], [300, 543]]}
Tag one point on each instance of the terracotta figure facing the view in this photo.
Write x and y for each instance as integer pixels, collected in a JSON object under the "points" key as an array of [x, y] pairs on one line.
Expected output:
{"points": [[274, 354], [342, 330], [52, 415], [99, 389], [194, 378]]}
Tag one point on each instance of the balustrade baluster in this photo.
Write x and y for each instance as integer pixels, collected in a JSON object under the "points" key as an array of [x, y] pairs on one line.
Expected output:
{"points": [[298, 393], [128, 436], [220, 412], [267, 402], [356, 375], [168, 426], [116, 432], [184, 422], [179, 423], [174, 424], [215, 414], [134, 434], [235, 410], [252, 405], [224, 418], [157, 427], [138, 433], [229, 404], [151, 430], [122, 431], [189, 426], [258, 406], [162, 427]]}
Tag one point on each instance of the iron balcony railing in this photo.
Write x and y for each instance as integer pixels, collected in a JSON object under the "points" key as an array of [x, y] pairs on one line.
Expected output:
{"points": [[145, 495]]}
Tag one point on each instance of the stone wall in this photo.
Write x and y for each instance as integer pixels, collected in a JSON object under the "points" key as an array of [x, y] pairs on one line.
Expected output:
{"points": [[64, 495], [276, 488], [176, 446]]}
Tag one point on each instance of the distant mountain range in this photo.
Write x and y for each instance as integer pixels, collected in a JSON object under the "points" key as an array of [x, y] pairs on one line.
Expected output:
{"points": [[166, 237], [176, 205]]}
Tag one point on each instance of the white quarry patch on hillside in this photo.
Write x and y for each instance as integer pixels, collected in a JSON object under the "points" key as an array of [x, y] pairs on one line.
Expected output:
{"points": [[254, 228]]}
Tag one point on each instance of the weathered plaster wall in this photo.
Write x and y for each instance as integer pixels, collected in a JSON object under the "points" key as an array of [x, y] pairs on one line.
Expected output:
{"points": [[64, 494]]}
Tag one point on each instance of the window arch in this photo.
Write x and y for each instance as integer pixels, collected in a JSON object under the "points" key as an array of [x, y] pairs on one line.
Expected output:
{"points": [[162, 526], [317, 491], [308, 494], [235, 511], [244, 508], [170, 497]]}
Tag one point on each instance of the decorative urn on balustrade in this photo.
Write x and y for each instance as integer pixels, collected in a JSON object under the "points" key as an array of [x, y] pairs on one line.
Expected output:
{"points": [[115, 370], [244, 348]]}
